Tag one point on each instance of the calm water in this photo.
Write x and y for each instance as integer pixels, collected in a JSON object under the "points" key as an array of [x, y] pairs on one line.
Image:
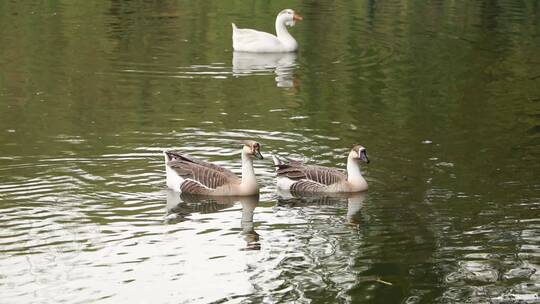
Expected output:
{"points": [[445, 96]]}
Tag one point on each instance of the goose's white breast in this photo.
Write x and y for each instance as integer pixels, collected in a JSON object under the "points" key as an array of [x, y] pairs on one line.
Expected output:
{"points": [[284, 183]]}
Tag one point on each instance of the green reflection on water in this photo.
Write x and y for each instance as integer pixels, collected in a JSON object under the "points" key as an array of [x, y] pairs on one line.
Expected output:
{"points": [[444, 95]]}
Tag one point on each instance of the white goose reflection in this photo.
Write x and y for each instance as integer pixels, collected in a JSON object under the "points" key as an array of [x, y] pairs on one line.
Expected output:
{"points": [[354, 201], [282, 64], [249, 203], [180, 206]]}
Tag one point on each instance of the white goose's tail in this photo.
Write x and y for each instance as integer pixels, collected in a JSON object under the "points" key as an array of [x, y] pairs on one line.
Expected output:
{"points": [[173, 179], [234, 36], [277, 161]]}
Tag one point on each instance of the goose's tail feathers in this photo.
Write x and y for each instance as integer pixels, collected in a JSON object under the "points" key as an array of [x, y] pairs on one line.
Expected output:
{"points": [[277, 161]]}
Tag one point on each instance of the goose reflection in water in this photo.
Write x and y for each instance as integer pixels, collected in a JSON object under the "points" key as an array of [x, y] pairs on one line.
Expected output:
{"points": [[282, 64], [354, 201], [249, 203], [181, 205]]}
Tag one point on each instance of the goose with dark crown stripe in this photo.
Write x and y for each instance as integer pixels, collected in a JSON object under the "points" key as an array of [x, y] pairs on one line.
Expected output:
{"points": [[298, 177], [191, 175]]}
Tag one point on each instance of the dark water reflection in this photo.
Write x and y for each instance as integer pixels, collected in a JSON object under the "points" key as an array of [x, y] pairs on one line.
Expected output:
{"points": [[445, 96]]}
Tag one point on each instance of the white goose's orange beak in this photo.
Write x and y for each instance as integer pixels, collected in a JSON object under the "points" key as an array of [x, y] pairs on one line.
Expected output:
{"points": [[297, 17]]}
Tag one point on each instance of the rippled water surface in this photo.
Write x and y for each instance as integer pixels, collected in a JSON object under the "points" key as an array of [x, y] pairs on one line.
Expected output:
{"points": [[444, 95]]}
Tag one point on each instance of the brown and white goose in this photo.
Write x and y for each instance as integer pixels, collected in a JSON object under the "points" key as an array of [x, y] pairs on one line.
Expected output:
{"points": [[191, 175], [296, 176]]}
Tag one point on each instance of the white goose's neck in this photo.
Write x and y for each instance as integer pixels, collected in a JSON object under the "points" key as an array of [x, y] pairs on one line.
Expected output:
{"points": [[283, 35], [248, 173], [354, 175]]}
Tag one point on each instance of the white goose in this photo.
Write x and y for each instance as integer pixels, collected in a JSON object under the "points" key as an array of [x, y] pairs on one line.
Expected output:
{"points": [[248, 40], [295, 176], [190, 175]]}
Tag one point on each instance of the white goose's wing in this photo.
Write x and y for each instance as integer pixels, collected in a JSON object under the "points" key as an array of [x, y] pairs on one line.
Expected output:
{"points": [[252, 40]]}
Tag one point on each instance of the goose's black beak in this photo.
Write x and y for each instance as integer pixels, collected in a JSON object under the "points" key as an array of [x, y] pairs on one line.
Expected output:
{"points": [[363, 156], [258, 155]]}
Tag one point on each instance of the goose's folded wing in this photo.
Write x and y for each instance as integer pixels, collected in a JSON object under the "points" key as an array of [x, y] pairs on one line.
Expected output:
{"points": [[322, 175], [248, 35], [305, 185], [207, 176], [176, 155], [253, 38]]}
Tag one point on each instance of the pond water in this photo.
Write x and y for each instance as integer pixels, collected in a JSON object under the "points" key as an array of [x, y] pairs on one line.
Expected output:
{"points": [[444, 95]]}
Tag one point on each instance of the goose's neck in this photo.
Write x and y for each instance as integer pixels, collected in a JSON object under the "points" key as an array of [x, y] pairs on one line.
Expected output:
{"points": [[282, 33], [354, 175], [248, 173]]}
